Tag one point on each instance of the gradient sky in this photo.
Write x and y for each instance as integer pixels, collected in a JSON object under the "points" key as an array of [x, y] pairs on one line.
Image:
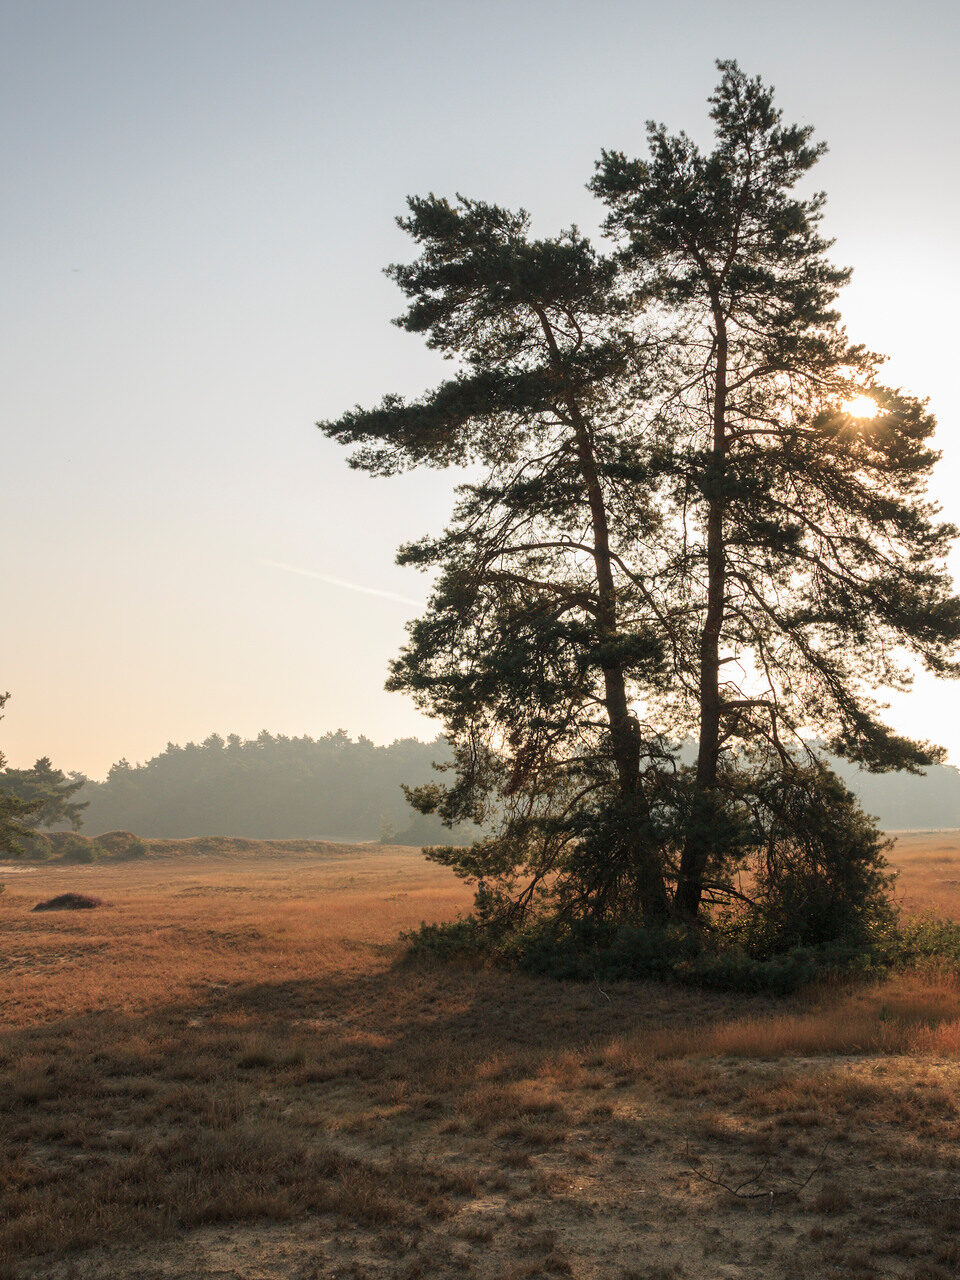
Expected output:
{"points": [[198, 200]]}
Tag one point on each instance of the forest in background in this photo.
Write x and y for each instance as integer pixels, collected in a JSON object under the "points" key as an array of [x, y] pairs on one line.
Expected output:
{"points": [[271, 787], [335, 787]]}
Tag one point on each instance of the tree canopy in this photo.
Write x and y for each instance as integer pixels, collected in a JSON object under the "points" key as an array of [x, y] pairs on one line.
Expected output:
{"points": [[679, 527], [272, 787], [39, 797]]}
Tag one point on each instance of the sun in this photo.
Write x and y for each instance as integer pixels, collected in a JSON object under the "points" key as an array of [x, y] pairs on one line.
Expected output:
{"points": [[860, 407]]}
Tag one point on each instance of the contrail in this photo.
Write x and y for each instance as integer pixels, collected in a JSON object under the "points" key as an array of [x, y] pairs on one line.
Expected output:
{"points": [[339, 582]]}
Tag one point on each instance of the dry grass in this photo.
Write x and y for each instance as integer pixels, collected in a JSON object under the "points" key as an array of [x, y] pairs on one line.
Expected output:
{"points": [[230, 1070], [904, 1014], [929, 872]]}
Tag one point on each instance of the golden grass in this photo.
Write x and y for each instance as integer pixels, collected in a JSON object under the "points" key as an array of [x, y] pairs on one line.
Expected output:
{"points": [[928, 863], [231, 1069], [905, 1014]]}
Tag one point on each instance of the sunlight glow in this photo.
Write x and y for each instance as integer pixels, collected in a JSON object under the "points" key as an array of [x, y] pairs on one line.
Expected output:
{"points": [[860, 407]]}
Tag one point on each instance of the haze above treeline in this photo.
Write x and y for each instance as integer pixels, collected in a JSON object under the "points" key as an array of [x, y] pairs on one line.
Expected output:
{"points": [[336, 787]]}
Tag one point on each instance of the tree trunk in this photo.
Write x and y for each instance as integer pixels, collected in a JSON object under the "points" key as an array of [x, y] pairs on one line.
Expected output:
{"points": [[699, 838], [626, 747], [654, 901]]}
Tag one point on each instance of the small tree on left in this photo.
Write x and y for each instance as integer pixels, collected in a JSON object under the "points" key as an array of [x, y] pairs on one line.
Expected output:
{"points": [[48, 792], [16, 813]]}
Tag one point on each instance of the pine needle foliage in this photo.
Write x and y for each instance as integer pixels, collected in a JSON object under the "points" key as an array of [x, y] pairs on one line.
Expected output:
{"points": [[47, 792]]}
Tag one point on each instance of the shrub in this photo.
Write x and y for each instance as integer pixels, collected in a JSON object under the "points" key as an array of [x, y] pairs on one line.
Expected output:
{"points": [[675, 954], [36, 847], [817, 903], [820, 876], [69, 902], [922, 942], [66, 846]]}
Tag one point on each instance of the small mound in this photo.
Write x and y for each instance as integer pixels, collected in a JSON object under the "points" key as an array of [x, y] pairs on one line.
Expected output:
{"points": [[69, 902], [122, 844]]}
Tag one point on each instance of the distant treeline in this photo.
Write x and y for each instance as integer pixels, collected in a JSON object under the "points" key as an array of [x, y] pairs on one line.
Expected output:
{"points": [[335, 788], [272, 787]]}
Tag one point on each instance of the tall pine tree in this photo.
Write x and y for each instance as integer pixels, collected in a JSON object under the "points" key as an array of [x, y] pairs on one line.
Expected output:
{"points": [[539, 637], [17, 815], [47, 792], [810, 560]]}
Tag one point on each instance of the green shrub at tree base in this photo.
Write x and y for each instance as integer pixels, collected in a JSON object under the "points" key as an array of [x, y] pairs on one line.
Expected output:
{"points": [[802, 892], [819, 874], [922, 942], [636, 953], [680, 955]]}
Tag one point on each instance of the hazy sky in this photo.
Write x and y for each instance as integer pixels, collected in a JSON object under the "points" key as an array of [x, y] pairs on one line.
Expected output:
{"points": [[197, 202]]}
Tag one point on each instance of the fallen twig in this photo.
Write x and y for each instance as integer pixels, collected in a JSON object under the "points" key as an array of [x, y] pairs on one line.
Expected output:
{"points": [[770, 1194]]}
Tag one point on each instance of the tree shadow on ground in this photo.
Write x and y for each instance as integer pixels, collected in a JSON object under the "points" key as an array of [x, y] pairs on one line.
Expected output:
{"points": [[274, 1098]]}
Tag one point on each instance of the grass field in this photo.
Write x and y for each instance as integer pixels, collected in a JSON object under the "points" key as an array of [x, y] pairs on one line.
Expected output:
{"points": [[229, 1070]]}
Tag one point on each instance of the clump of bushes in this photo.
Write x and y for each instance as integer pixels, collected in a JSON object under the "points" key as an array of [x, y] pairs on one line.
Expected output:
{"points": [[69, 847], [62, 846], [671, 954], [73, 848]]}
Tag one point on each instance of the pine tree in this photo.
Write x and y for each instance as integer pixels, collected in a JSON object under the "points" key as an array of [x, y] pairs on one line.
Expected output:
{"points": [[16, 814], [809, 562], [539, 637], [686, 524], [47, 792]]}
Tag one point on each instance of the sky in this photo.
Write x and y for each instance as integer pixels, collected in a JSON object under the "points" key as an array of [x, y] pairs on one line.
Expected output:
{"points": [[198, 202]]}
